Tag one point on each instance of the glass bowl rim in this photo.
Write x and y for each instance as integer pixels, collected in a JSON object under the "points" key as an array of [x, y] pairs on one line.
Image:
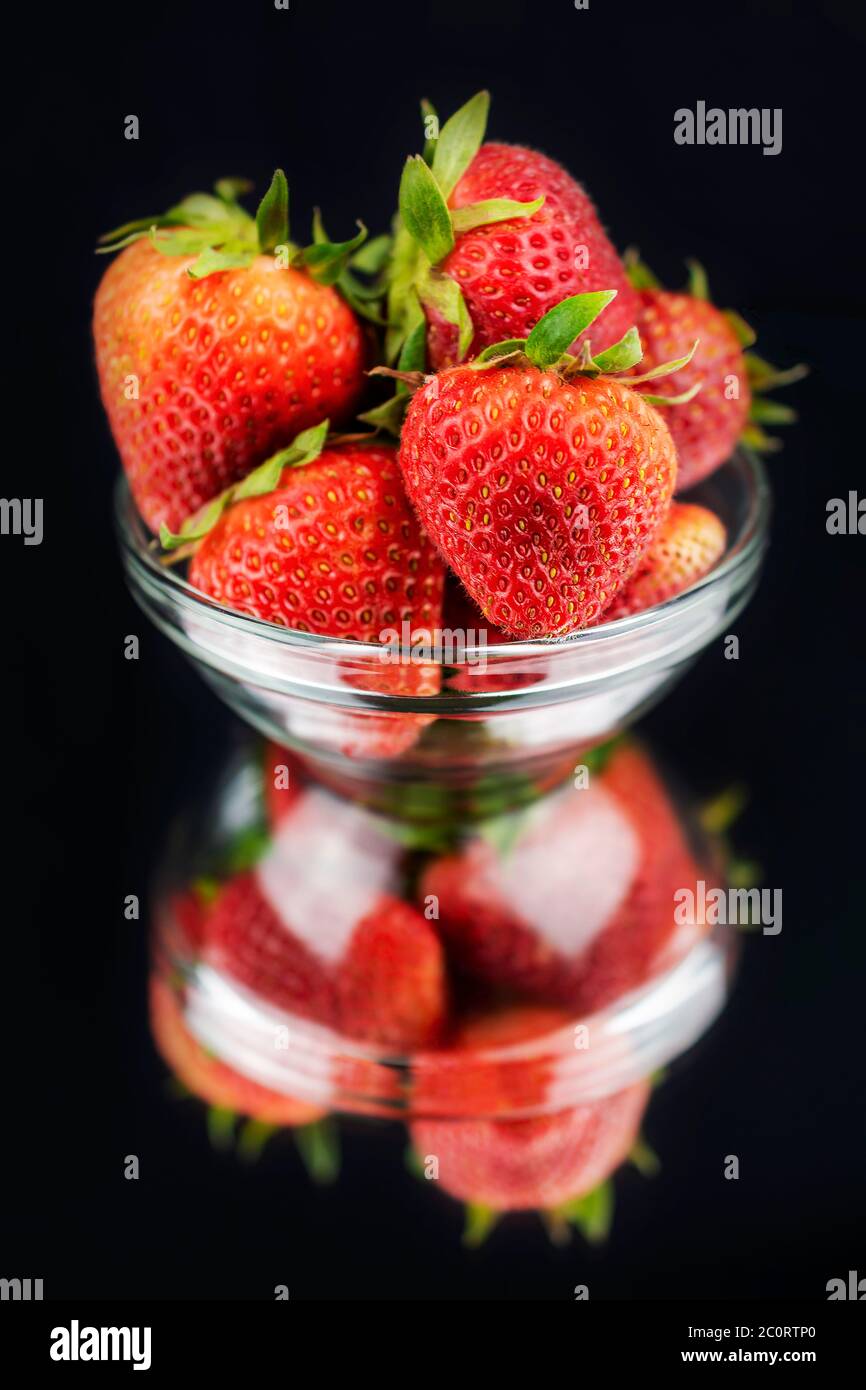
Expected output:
{"points": [[138, 546]]}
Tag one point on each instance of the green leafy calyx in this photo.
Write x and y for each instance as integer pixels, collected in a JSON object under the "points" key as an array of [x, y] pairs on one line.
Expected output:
{"points": [[547, 348], [304, 449], [221, 235]]}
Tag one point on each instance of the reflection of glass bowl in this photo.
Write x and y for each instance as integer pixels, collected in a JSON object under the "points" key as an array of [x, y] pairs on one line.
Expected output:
{"points": [[584, 1058], [504, 709]]}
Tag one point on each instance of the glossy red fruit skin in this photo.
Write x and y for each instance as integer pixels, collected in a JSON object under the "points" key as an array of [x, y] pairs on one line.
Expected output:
{"points": [[537, 1163], [707, 428], [228, 370], [335, 549], [489, 937], [247, 940], [210, 1079], [498, 464], [689, 544], [511, 273], [389, 987]]}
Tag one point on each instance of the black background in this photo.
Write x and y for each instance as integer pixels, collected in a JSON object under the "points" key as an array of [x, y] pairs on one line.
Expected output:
{"points": [[99, 753]]}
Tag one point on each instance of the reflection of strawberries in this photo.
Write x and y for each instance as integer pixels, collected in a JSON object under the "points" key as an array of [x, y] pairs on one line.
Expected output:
{"points": [[185, 920], [210, 1079], [524, 1163], [317, 929], [473, 1077], [248, 940], [283, 776], [576, 905]]}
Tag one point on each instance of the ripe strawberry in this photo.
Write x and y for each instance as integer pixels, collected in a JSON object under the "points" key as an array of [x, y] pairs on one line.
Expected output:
{"points": [[482, 1072], [208, 1078], [729, 407], [707, 428], [334, 548], [317, 929], [572, 901], [690, 542], [283, 779], [542, 488], [247, 938], [212, 352], [513, 235], [537, 1162]]}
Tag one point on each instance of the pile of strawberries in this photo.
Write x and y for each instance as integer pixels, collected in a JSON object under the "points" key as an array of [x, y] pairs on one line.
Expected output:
{"points": [[485, 416], [534, 460], [446, 958]]}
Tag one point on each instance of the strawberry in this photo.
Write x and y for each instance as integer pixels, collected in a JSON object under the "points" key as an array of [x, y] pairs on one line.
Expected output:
{"points": [[318, 930], [248, 940], [571, 901], [283, 779], [210, 1079], [215, 344], [333, 548], [542, 1161], [482, 1072], [329, 544], [707, 428], [508, 234], [541, 481], [690, 542]]}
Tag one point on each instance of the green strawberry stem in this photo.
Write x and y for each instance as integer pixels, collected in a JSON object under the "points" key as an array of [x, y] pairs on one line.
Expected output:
{"points": [[479, 1222], [222, 235], [304, 449], [252, 1138], [644, 1158], [547, 349], [591, 1214], [427, 228], [221, 1126], [762, 376], [319, 1147]]}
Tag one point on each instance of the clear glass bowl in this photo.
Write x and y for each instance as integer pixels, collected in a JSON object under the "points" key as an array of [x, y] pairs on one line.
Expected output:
{"points": [[330, 863], [507, 710]]}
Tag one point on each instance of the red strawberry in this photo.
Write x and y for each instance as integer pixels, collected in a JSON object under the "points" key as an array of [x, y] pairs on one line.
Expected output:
{"points": [[690, 542], [284, 778], [335, 548], [730, 405], [512, 272], [539, 1162], [391, 980], [318, 930], [510, 269], [572, 901], [210, 1079], [205, 370], [483, 1072], [185, 919], [247, 939], [706, 428], [542, 493]]}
